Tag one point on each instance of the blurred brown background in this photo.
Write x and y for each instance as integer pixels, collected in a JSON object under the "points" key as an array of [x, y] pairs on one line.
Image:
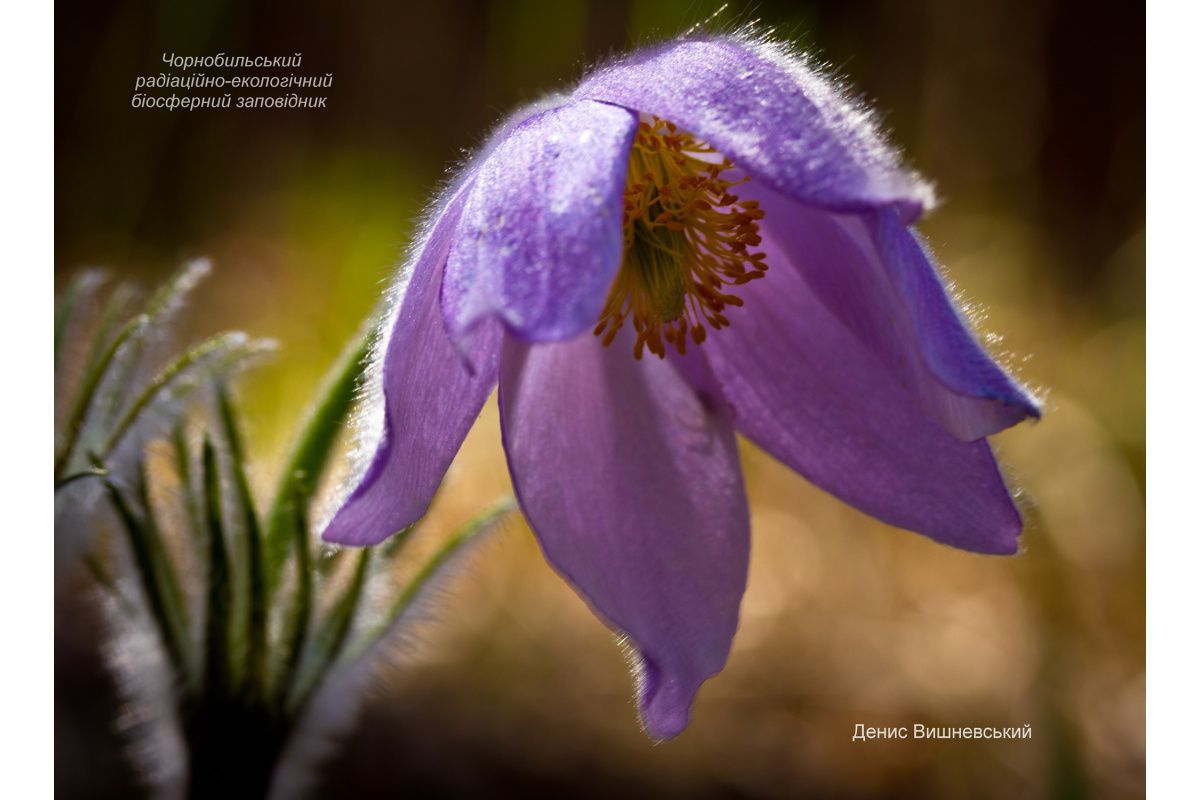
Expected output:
{"points": [[1030, 118]]}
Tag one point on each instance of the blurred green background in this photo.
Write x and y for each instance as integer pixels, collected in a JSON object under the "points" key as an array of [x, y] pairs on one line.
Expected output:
{"points": [[1029, 117]]}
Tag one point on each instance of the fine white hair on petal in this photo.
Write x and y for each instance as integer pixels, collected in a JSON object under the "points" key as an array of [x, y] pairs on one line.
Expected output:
{"points": [[635, 662], [840, 106], [368, 418]]}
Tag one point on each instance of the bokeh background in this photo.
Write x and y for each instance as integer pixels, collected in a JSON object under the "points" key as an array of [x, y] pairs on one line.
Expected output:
{"points": [[1030, 118]]}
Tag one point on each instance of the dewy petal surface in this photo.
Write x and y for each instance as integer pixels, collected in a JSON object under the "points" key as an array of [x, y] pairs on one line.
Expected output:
{"points": [[431, 394], [873, 274], [770, 114], [633, 488], [540, 238], [806, 390]]}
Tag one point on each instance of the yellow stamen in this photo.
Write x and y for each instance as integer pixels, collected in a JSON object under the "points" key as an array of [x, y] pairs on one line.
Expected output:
{"points": [[687, 242]]}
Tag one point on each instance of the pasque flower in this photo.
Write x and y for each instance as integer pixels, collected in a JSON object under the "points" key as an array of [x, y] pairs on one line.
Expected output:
{"points": [[706, 236]]}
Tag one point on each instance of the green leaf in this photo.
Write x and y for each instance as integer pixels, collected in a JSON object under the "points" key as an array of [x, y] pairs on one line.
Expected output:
{"points": [[89, 472], [311, 453], [193, 515], [329, 558], [86, 394], [157, 579], [165, 572], [226, 348], [106, 581], [295, 629], [218, 669], [331, 636], [256, 611], [158, 308], [430, 570], [99, 358], [395, 545], [172, 293], [114, 312], [80, 287]]}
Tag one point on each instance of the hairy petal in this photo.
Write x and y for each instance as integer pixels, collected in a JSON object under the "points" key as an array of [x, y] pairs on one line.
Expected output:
{"points": [[431, 397], [540, 238], [771, 114], [633, 487], [807, 390], [875, 276]]}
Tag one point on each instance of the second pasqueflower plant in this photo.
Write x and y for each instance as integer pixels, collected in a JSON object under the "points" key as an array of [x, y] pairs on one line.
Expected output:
{"points": [[705, 236]]}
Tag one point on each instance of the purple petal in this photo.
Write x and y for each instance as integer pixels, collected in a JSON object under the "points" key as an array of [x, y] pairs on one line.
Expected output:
{"points": [[431, 397], [633, 487], [874, 275], [540, 239], [806, 390], [771, 114]]}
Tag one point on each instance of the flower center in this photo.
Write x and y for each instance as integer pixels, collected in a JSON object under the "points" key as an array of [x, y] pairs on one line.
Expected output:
{"points": [[687, 243]]}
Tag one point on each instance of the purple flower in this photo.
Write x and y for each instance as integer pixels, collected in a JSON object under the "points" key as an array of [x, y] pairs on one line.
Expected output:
{"points": [[703, 237]]}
